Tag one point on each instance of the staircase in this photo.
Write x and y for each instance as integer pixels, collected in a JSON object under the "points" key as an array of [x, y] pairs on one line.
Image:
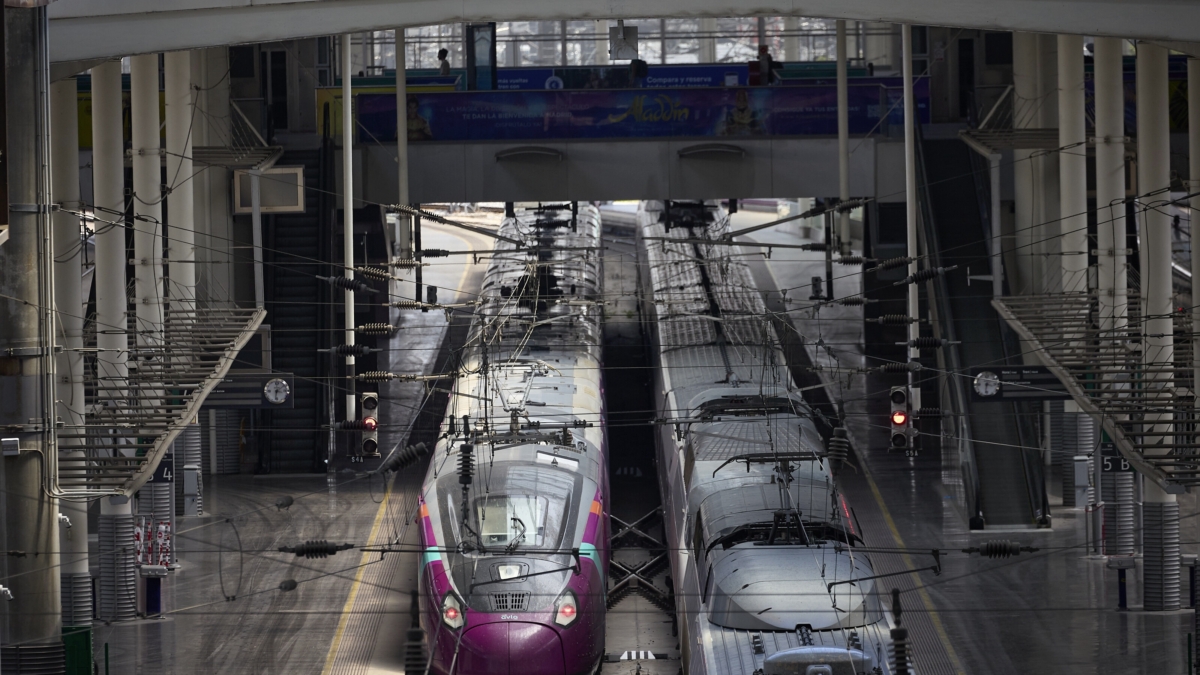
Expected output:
{"points": [[297, 305]]}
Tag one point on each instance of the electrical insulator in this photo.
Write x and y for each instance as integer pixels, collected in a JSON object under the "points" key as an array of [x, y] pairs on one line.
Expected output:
{"points": [[851, 260], [852, 301], [815, 246], [434, 253], [356, 285], [910, 367], [928, 343], [1000, 548], [375, 376], [926, 413], [404, 458], [890, 263], [377, 329], [894, 320], [404, 263], [898, 653], [899, 419], [838, 447], [407, 304], [315, 549], [924, 275], [350, 350], [373, 273], [466, 463], [288, 585]]}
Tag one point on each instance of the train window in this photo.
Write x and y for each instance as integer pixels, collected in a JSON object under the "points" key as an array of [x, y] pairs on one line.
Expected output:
{"points": [[509, 519], [707, 585], [698, 542]]}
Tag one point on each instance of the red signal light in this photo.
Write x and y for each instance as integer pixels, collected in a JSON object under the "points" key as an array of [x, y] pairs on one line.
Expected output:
{"points": [[451, 613], [370, 423], [899, 417]]}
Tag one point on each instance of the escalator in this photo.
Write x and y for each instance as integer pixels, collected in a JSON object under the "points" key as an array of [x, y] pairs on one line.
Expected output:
{"points": [[297, 309], [1004, 442]]}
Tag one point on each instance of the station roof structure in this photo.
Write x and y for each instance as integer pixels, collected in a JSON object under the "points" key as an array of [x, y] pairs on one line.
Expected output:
{"points": [[96, 29]]}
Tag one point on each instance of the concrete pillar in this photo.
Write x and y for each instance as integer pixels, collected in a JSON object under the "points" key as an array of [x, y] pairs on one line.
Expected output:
{"points": [[108, 188], [68, 269], [28, 513], [1072, 164], [601, 42], [1023, 280], [182, 120], [147, 200], [791, 41], [1111, 272], [1161, 577], [117, 587], [708, 43]]}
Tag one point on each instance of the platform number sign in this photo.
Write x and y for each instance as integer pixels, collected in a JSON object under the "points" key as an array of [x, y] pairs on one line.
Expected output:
{"points": [[165, 473], [1111, 461]]}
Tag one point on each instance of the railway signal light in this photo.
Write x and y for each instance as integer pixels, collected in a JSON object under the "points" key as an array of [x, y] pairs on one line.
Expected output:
{"points": [[369, 401], [900, 418]]}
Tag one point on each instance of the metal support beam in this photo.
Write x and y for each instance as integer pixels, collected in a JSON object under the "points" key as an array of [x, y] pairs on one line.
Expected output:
{"points": [[348, 212], [910, 196], [1111, 271], [147, 199], [843, 122], [1072, 164], [181, 231]]}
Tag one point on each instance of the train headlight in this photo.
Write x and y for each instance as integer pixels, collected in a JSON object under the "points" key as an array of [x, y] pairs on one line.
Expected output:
{"points": [[452, 611], [566, 609]]}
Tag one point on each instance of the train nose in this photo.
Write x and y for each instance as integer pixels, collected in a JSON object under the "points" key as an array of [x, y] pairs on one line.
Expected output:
{"points": [[510, 648]]}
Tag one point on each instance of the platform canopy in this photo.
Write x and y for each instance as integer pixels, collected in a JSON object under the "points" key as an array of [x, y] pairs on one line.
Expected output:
{"points": [[90, 29]]}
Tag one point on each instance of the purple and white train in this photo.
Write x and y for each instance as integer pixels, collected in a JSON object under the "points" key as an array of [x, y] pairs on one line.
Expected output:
{"points": [[513, 512]]}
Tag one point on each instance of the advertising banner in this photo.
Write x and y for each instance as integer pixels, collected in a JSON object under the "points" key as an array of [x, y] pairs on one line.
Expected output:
{"points": [[633, 113]]}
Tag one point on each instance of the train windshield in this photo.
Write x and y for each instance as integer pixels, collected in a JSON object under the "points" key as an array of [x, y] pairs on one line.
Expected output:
{"points": [[513, 521], [513, 508]]}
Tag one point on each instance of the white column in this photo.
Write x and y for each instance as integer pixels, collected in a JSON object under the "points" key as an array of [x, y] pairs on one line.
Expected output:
{"points": [[601, 42], [910, 193], [843, 122], [1110, 185], [147, 199], [708, 43], [348, 212], [1072, 164], [182, 122], [1161, 577], [791, 42], [68, 269], [108, 187], [1025, 105]]}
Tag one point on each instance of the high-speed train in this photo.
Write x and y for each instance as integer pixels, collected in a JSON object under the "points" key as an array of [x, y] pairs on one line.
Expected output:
{"points": [[766, 577], [513, 512]]}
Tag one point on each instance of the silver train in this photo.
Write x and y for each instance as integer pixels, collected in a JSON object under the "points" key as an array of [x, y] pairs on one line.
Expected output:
{"points": [[761, 543], [513, 511]]}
